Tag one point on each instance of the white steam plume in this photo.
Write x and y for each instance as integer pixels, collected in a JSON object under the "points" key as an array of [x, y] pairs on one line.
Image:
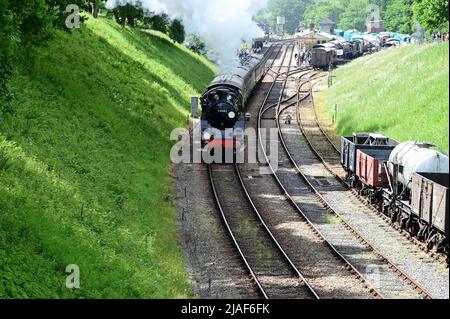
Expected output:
{"points": [[222, 24]]}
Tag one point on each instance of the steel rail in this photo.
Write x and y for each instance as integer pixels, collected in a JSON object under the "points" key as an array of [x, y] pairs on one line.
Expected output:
{"points": [[333, 249], [272, 237], [396, 226], [232, 236], [422, 291], [252, 274], [250, 200]]}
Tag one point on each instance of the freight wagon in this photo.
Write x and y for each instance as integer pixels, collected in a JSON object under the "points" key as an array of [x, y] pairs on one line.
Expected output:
{"points": [[408, 182]]}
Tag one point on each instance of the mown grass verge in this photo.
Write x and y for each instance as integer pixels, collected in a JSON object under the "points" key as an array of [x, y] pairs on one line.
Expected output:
{"points": [[403, 93], [84, 160]]}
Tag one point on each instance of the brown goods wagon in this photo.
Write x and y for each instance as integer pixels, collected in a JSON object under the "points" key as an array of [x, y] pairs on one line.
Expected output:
{"points": [[363, 141], [370, 167], [430, 199]]}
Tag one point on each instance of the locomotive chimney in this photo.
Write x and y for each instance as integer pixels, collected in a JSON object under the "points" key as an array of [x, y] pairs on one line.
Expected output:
{"points": [[312, 26]]}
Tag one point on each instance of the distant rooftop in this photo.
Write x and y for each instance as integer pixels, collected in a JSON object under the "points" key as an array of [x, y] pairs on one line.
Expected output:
{"points": [[326, 21], [314, 33]]}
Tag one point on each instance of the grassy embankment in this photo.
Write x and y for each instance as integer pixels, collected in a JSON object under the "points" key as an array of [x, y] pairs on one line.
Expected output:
{"points": [[84, 165], [402, 93]]}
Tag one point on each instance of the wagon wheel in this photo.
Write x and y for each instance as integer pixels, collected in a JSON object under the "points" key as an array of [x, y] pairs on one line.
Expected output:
{"points": [[414, 229]]}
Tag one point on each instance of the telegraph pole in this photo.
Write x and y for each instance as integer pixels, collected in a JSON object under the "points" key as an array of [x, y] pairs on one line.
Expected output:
{"points": [[281, 21]]}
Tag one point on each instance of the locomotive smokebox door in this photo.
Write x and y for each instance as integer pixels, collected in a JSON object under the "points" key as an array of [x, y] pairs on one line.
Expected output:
{"points": [[194, 106]]}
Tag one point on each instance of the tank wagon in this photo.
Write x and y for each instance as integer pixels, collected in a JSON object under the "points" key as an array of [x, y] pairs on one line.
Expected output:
{"points": [[408, 182]]}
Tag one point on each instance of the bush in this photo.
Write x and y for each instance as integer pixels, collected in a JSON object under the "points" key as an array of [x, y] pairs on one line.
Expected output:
{"points": [[59, 9], [6, 47], [196, 44], [24, 23]]}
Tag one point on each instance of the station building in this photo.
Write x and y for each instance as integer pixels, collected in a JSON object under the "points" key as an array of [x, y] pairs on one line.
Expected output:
{"points": [[310, 37]]}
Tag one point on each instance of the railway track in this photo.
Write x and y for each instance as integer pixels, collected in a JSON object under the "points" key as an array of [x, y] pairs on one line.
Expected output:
{"points": [[272, 101], [378, 261], [327, 151], [274, 274], [327, 187]]}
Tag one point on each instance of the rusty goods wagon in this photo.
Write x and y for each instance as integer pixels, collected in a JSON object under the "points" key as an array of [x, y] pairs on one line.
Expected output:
{"points": [[370, 167], [430, 200]]}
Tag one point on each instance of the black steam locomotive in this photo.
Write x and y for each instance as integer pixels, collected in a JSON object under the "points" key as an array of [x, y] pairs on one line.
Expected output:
{"points": [[224, 101]]}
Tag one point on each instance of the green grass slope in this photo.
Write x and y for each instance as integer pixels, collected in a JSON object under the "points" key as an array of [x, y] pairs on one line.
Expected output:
{"points": [[84, 165], [403, 93]]}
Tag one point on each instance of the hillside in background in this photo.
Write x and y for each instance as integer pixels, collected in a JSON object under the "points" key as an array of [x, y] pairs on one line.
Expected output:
{"points": [[402, 93], [84, 165]]}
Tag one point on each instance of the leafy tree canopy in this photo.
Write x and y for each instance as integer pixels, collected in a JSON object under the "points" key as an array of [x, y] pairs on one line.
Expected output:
{"points": [[292, 10], [324, 9], [158, 22], [355, 15], [399, 17], [432, 14], [176, 31], [196, 44]]}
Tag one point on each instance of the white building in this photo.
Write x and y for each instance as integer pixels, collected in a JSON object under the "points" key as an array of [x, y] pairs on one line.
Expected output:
{"points": [[309, 38]]}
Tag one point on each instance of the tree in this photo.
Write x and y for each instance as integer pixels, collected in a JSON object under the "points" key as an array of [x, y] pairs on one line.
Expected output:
{"points": [[323, 9], [129, 14], [176, 31], [262, 18], [382, 4], [95, 6], [196, 44], [399, 17], [432, 14], [158, 22], [292, 10], [354, 15]]}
